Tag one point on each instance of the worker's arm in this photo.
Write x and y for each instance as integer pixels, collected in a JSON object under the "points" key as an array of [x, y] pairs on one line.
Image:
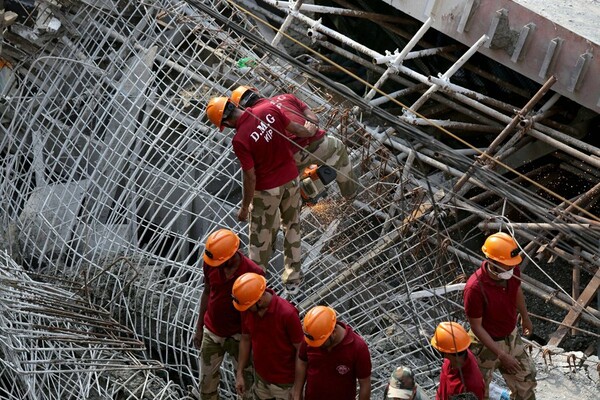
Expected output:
{"points": [[243, 358], [299, 380], [249, 184], [364, 388], [308, 130], [309, 115], [200, 321], [509, 362], [526, 323]]}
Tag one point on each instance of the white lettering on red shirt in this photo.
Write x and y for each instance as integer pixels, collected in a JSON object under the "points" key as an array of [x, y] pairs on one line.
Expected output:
{"points": [[263, 131]]}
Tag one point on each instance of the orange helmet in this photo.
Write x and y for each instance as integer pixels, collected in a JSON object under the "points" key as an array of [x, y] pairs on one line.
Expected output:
{"points": [[502, 247], [318, 325], [450, 337], [220, 246], [247, 289], [218, 109], [238, 94]]}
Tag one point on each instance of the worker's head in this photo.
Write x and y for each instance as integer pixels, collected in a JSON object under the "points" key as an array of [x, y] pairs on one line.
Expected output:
{"points": [[247, 291], [318, 325], [402, 384], [220, 246], [451, 340], [503, 255], [244, 96], [220, 112], [501, 247]]}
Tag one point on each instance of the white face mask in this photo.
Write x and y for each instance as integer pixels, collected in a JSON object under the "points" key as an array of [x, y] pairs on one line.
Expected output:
{"points": [[506, 275]]}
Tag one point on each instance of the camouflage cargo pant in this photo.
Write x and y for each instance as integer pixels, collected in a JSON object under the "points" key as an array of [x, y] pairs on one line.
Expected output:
{"points": [[332, 151], [267, 206], [212, 352], [269, 391], [521, 384]]}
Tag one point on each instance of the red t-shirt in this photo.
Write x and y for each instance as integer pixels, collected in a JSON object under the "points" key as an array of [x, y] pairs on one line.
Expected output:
{"points": [[495, 304], [221, 318], [273, 337], [294, 108], [452, 383], [260, 142], [333, 374]]}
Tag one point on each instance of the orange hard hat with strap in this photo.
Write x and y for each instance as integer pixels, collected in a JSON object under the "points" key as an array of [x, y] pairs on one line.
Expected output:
{"points": [[247, 290], [220, 246], [318, 325], [450, 337], [503, 248], [238, 94], [218, 109]]}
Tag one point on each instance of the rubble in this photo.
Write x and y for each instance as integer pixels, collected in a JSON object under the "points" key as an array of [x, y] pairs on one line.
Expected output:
{"points": [[113, 179]]}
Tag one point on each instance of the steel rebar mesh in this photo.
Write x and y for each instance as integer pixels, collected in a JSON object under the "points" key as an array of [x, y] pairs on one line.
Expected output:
{"points": [[55, 344], [113, 180]]}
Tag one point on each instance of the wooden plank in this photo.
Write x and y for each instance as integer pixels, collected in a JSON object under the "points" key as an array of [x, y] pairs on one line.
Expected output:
{"points": [[586, 297]]}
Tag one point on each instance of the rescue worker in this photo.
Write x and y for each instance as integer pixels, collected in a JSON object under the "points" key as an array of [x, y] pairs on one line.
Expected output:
{"points": [[271, 188], [331, 360], [271, 330], [492, 298], [460, 376], [319, 149], [402, 386], [219, 325]]}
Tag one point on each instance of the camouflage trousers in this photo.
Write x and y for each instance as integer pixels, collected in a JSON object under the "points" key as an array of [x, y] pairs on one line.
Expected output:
{"points": [[331, 151], [269, 391], [521, 384], [269, 209], [212, 352]]}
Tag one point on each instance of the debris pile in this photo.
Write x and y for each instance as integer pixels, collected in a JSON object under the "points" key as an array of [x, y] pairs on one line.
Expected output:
{"points": [[113, 179]]}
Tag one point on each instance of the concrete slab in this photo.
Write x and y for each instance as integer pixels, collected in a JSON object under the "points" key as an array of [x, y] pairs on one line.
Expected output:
{"points": [[537, 38], [579, 16]]}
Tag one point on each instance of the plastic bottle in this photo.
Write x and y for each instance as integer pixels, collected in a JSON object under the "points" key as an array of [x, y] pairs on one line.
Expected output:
{"points": [[245, 64], [498, 392]]}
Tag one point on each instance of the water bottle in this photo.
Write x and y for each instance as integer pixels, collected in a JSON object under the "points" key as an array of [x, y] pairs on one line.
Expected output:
{"points": [[245, 64], [498, 392]]}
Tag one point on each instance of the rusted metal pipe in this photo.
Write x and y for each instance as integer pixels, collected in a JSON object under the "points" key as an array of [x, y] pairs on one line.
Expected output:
{"points": [[509, 128], [536, 226], [313, 8]]}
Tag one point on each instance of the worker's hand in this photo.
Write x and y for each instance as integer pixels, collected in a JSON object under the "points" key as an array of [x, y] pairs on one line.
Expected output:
{"points": [[240, 385], [243, 214], [310, 127], [197, 339], [526, 325], [295, 394], [509, 363]]}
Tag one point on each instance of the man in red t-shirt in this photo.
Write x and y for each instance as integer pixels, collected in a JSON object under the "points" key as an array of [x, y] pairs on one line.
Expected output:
{"points": [[270, 179], [331, 360], [271, 330], [219, 325], [492, 298], [319, 149], [460, 372]]}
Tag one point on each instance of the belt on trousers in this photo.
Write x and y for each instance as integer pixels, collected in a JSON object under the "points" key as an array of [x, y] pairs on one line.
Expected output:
{"points": [[313, 146], [497, 339]]}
